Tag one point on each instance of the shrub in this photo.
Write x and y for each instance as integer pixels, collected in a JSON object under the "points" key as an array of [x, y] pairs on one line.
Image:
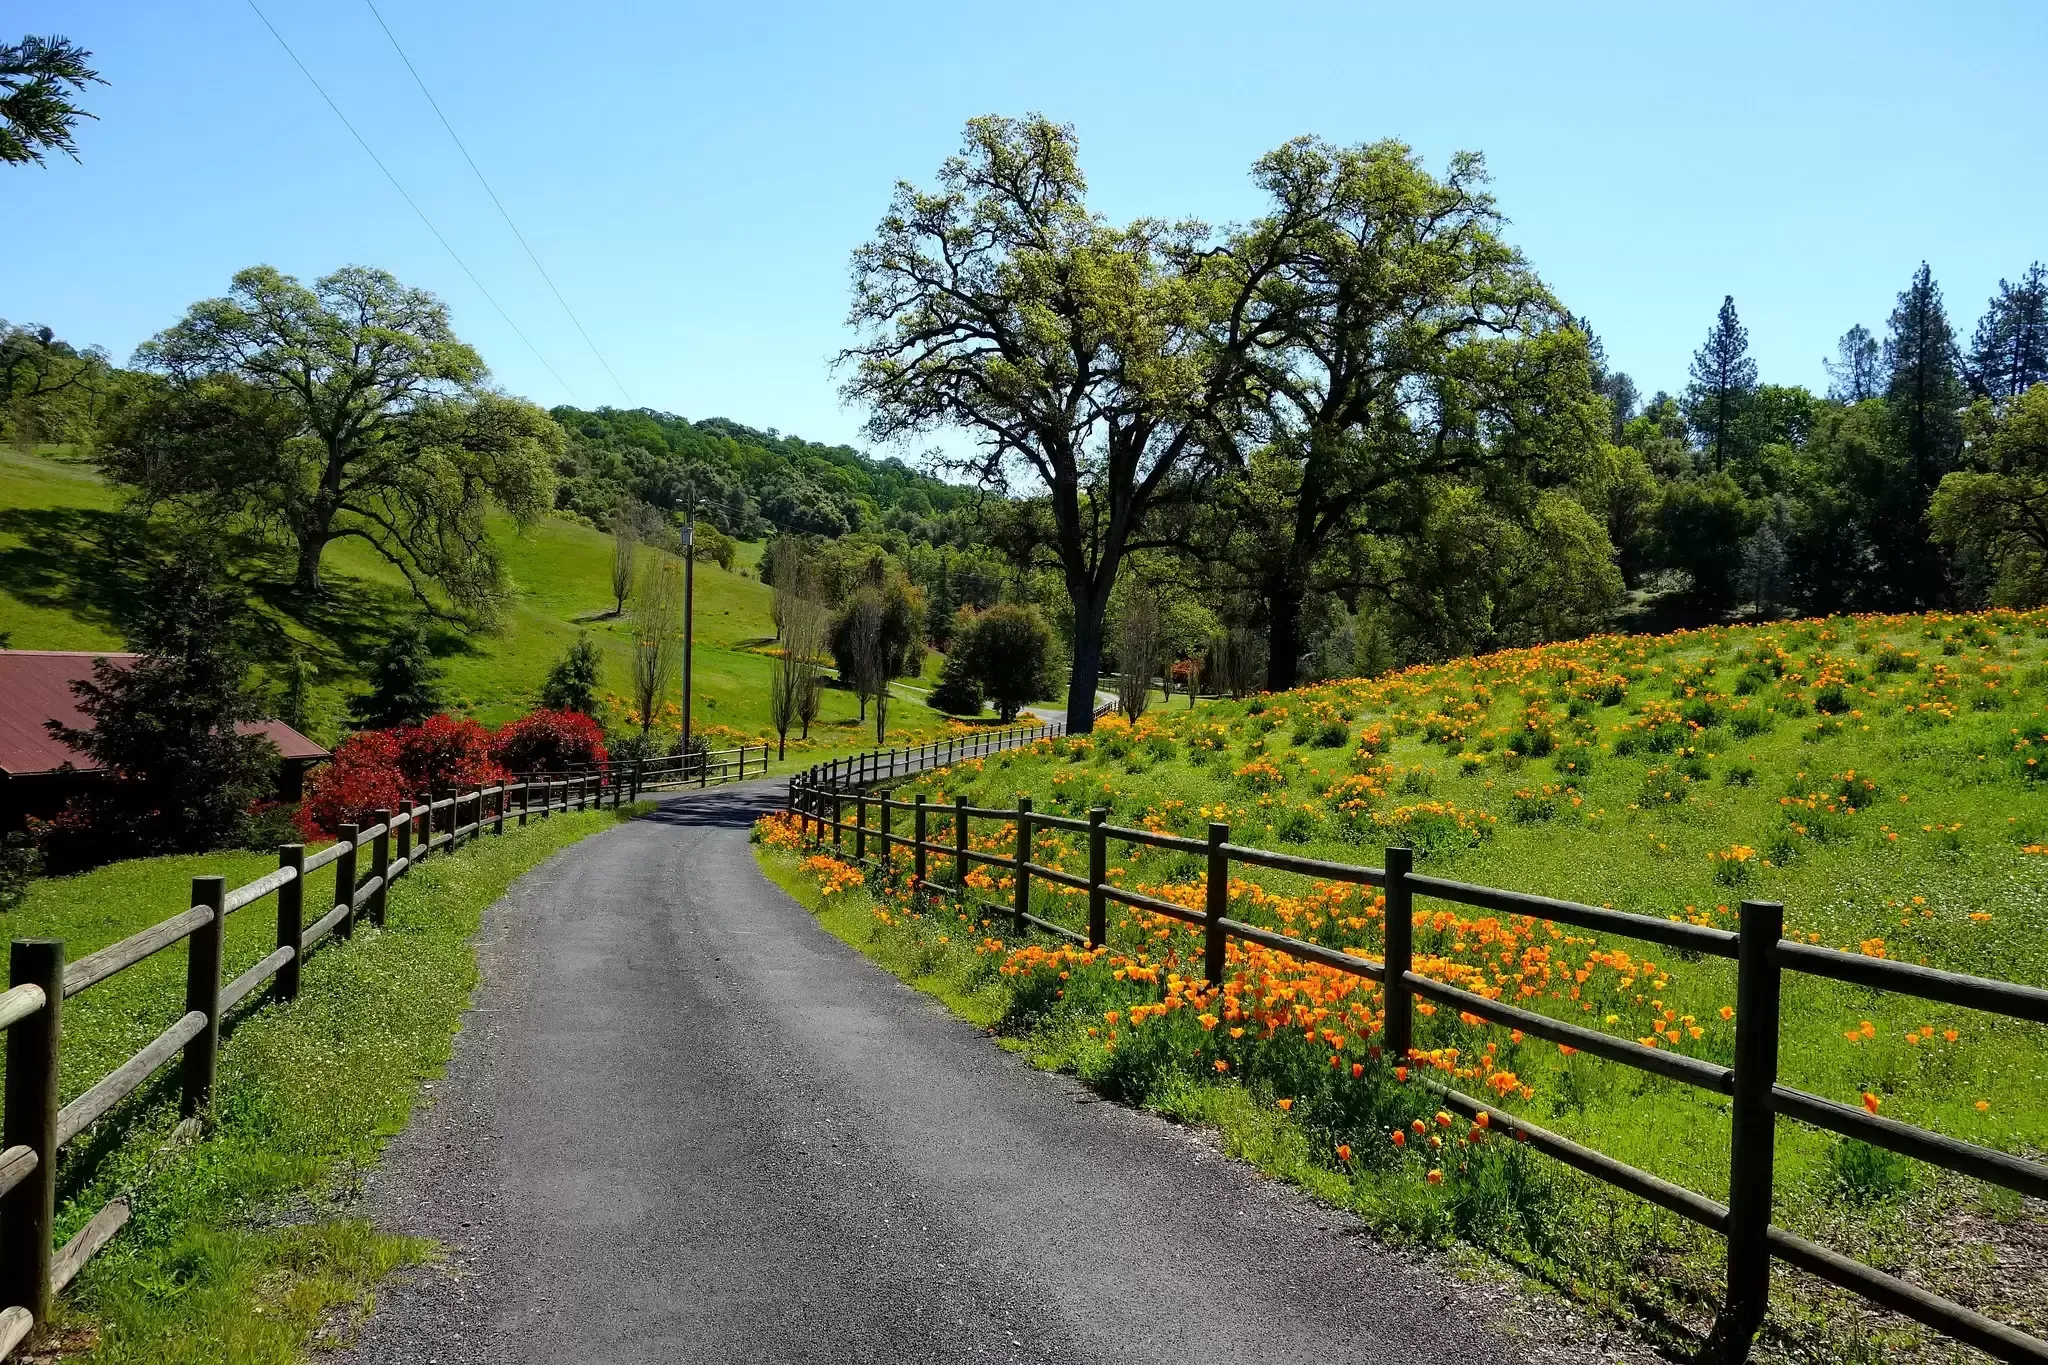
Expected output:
{"points": [[442, 752], [959, 691], [550, 742], [572, 683], [362, 777]]}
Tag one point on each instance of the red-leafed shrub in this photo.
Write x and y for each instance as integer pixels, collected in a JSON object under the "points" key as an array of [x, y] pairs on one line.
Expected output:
{"points": [[550, 742], [444, 753], [363, 776]]}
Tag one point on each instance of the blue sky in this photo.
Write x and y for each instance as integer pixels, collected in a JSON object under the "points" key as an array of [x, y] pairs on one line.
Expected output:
{"points": [[695, 177]]}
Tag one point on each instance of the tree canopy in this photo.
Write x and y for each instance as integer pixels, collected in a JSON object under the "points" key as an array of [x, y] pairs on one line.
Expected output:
{"points": [[40, 81], [345, 410]]}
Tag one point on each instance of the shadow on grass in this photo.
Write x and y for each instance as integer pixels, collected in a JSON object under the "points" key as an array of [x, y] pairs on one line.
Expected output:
{"points": [[101, 566]]}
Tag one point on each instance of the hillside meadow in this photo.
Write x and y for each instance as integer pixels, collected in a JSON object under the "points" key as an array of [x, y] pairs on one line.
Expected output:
{"points": [[1886, 778], [73, 561]]}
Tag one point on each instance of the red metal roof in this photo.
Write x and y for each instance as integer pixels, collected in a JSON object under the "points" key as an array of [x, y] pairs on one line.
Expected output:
{"points": [[35, 686]]}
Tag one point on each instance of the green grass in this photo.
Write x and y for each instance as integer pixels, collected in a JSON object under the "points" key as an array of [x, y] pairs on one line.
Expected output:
{"points": [[1876, 769], [240, 1248], [71, 571]]}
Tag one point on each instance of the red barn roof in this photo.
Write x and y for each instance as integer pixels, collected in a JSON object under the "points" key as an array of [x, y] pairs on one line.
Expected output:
{"points": [[35, 686]]}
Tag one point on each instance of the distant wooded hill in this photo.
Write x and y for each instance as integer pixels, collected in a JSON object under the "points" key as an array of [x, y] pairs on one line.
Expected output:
{"points": [[749, 482]]}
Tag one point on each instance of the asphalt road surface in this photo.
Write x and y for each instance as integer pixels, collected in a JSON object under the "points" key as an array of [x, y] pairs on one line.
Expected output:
{"points": [[685, 1124]]}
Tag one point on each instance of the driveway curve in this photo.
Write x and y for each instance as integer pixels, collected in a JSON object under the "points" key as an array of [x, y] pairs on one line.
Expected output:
{"points": [[684, 1124]]}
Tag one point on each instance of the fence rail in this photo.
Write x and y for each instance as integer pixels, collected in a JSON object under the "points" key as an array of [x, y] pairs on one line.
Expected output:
{"points": [[712, 768], [34, 1128], [1763, 955]]}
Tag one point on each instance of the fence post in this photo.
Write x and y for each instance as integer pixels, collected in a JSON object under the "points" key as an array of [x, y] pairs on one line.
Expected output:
{"points": [[525, 801], [1098, 875], [380, 868], [860, 826], [291, 921], [1400, 954], [837, 840], [28, 1211], [918, 821], [202, 994], [960, 842], [1217, 904], [1753, 1151], [1023, 860], [498, 806], [882, 805], [403, 854], [345, 881]]}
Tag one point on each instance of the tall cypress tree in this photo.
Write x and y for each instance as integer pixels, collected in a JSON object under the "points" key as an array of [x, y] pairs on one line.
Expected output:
{"points": [[2009, 353], [1723, 377], [1923, 388]]}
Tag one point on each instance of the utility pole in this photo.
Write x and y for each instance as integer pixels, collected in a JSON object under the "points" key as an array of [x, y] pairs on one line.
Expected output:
{"points": [[689, 614]]}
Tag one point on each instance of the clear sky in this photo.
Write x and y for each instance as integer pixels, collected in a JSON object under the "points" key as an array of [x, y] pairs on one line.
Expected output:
{"points": [[695, 176]]}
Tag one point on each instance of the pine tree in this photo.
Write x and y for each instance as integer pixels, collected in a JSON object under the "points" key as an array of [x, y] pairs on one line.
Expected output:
{"points": [[2009, 353], [404, 683], [572, 683], [1925, 392], [1858, 367], [1723, 376]]}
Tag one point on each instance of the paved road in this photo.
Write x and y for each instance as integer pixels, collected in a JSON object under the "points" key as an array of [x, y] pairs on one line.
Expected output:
{"points": [[684, 1124]]}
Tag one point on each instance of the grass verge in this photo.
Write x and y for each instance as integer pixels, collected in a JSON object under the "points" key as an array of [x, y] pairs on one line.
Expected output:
{"points": [[239, 1252]]}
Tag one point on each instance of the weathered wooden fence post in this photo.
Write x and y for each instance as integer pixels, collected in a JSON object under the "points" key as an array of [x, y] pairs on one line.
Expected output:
{"points": [[1217, 904], [860, 826], [345, 881], [28, 1211], [380, 868], [918, 832], [1752, 1154], [960, 842], [1400, 954], [202, 994], [1023, 904], [882, 805], [498, 804], [1098, 876], [291, 920]]}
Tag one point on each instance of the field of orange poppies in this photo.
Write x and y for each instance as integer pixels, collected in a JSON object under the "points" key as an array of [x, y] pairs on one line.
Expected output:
{"points": [[1883, 777]]}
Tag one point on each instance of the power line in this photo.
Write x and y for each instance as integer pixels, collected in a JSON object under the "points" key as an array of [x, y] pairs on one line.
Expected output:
{"points": [[371, 153], [502, 213]]}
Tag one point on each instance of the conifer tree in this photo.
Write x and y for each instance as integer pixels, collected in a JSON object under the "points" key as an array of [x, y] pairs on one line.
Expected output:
{"points": [[1723, 376], [404, 683], [1925, 392], [2009, 353], [1858, 367]]}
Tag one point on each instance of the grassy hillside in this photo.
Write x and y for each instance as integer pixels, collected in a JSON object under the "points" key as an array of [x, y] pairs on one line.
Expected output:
{"points": [[1883, 777], [72, 566]]}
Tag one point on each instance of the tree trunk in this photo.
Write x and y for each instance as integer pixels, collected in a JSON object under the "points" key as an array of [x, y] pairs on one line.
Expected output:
{"points": [[311, 547], [1087, 663], [781, 745], [1283, 596], [881, 715]]}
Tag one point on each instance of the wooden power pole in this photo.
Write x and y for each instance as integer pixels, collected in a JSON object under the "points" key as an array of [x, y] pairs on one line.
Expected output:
{"points": [[689, 610]]}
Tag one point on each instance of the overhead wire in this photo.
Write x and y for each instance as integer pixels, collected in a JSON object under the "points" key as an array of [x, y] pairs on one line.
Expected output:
{"points": [[502, 211], [369, 151]]}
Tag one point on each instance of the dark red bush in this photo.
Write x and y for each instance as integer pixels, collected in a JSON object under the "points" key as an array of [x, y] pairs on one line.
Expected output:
{"points": [[444, 753], [362, 777], [550, 742]]}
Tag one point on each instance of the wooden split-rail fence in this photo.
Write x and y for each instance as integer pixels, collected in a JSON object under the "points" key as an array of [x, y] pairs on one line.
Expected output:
{"points": [[35, 1128], [820, 798]]}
